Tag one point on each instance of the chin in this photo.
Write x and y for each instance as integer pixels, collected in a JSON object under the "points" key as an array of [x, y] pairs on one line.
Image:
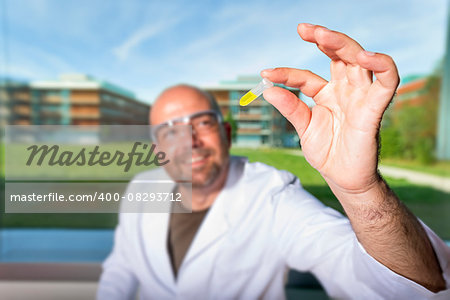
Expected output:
{"points": [[206, 178], [201, 182]]}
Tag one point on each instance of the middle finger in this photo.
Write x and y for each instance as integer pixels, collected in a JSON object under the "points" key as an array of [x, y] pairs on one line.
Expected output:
{"points": [[335, 45]]}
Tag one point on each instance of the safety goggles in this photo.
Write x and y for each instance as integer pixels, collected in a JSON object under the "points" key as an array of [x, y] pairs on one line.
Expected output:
{"points": [[202, 122]]}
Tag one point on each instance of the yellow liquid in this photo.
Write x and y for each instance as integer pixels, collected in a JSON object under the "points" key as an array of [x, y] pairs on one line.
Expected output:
{"points": [[247, 98]]}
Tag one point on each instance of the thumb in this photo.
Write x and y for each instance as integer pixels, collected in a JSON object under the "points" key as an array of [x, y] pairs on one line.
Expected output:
{"points": [[290, 106]]}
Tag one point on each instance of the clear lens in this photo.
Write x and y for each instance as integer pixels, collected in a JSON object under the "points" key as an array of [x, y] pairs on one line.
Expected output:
{"points": [[202, 122], [171, 133]]}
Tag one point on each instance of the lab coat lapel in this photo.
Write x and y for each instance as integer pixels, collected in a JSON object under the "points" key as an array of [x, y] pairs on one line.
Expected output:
{"points": [[154, 230], [216, 222]]}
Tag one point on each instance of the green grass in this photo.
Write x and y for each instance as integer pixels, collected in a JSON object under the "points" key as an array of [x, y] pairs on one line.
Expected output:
{"points": [[440, 168], [16, 168], [430, 205], [18, 155], [52, 220]]}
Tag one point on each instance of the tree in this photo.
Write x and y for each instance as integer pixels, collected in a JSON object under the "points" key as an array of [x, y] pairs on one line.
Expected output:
{"points": [[234, 126]]}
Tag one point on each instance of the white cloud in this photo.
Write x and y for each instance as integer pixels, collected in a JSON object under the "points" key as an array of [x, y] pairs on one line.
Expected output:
{"points": [[142, 34]]}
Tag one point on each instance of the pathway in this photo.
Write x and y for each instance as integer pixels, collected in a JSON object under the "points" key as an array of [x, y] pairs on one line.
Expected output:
{"points": [[438, 182]]}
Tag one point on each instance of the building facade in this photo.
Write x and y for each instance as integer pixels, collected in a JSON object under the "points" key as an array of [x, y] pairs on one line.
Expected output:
{"points": [[411, 91], [14, 102], [74, 99], [443, 130]]}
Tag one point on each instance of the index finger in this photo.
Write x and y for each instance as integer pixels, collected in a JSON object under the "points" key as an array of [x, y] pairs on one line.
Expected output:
{"points": [[334, 44]]}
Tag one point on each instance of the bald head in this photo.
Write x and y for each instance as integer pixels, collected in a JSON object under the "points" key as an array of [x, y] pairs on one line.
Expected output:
{"points": [[181, 100]]}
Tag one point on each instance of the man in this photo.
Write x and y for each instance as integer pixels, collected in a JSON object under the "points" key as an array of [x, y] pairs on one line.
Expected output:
{"points": [[251, 222]]}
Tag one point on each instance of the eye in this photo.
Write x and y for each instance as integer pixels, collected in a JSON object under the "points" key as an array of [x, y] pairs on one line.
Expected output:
{"points": [[205, 123], [166, 133], [169, 133]]}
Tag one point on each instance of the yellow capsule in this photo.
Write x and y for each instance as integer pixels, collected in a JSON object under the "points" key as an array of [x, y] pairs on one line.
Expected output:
{"points": [[255, 92], [247, 98]]}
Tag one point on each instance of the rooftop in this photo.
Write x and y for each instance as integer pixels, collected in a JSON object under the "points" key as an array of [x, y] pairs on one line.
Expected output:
{"points": [[81, 81]]}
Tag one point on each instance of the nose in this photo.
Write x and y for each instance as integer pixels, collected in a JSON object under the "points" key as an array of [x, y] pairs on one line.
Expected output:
{"points": [[196, 141]]}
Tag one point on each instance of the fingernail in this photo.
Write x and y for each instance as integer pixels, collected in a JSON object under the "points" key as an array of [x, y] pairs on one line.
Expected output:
{"points": [[369, 53], [266, 72], [309, 25]]}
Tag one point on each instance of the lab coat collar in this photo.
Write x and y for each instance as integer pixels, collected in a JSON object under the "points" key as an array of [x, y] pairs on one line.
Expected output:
{"points": [[213, 228], [216, 222], [154, 231]]}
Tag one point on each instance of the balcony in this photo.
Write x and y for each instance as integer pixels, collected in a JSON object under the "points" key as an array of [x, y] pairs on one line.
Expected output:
{"points": [[21, 97], [22, 110], [257, 117], [51, 99], [253, 131], [50, 114], [84, 100], [21, 122], [86, 115]]}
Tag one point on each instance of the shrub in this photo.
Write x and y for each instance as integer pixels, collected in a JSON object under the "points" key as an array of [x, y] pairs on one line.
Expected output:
{"points": [[390, 143]]}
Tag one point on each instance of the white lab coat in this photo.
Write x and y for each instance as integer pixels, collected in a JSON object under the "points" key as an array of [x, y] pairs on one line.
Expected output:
{"points": [[262, 223]]}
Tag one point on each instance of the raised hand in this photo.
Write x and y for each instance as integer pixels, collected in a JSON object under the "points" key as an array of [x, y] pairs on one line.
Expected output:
{"points": [[339, 135], [339, 139]]}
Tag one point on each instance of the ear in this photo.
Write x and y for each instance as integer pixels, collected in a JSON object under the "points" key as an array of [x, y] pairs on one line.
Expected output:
{"points": [[227, 127]]}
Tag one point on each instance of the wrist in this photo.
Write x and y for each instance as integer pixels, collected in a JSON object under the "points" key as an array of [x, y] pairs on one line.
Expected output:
{"points": [[372, 184], [372, 204]]}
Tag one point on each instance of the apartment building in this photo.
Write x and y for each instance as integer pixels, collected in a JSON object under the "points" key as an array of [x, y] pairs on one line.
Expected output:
{"points": [[259, 123], [14, 102], [73, 99], [411, 91]]}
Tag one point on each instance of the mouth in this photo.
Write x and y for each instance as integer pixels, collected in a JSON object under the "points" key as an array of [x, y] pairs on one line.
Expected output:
{"points": [[195, 159], [198, 160]]}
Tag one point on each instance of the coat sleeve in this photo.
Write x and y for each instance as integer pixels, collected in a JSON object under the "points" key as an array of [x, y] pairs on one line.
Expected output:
{"points": [[318, 239], [118, 281]]}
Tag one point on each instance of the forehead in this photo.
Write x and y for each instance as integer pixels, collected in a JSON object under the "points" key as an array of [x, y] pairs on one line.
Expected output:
{"points": [[178, 102]]}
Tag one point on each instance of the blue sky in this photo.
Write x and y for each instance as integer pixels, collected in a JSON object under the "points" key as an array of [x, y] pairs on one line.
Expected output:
{"points": [[146, 46]]}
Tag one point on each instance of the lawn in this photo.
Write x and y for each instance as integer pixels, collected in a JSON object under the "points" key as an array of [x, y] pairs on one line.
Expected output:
{"points": [[431, 205], [440, 168]]}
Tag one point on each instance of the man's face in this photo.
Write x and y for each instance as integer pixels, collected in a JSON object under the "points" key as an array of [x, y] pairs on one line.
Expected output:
{"points": [[207, 157]]}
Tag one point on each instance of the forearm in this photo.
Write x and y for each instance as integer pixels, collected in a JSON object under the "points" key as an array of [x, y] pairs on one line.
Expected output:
{"points": [[391, 234]]}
